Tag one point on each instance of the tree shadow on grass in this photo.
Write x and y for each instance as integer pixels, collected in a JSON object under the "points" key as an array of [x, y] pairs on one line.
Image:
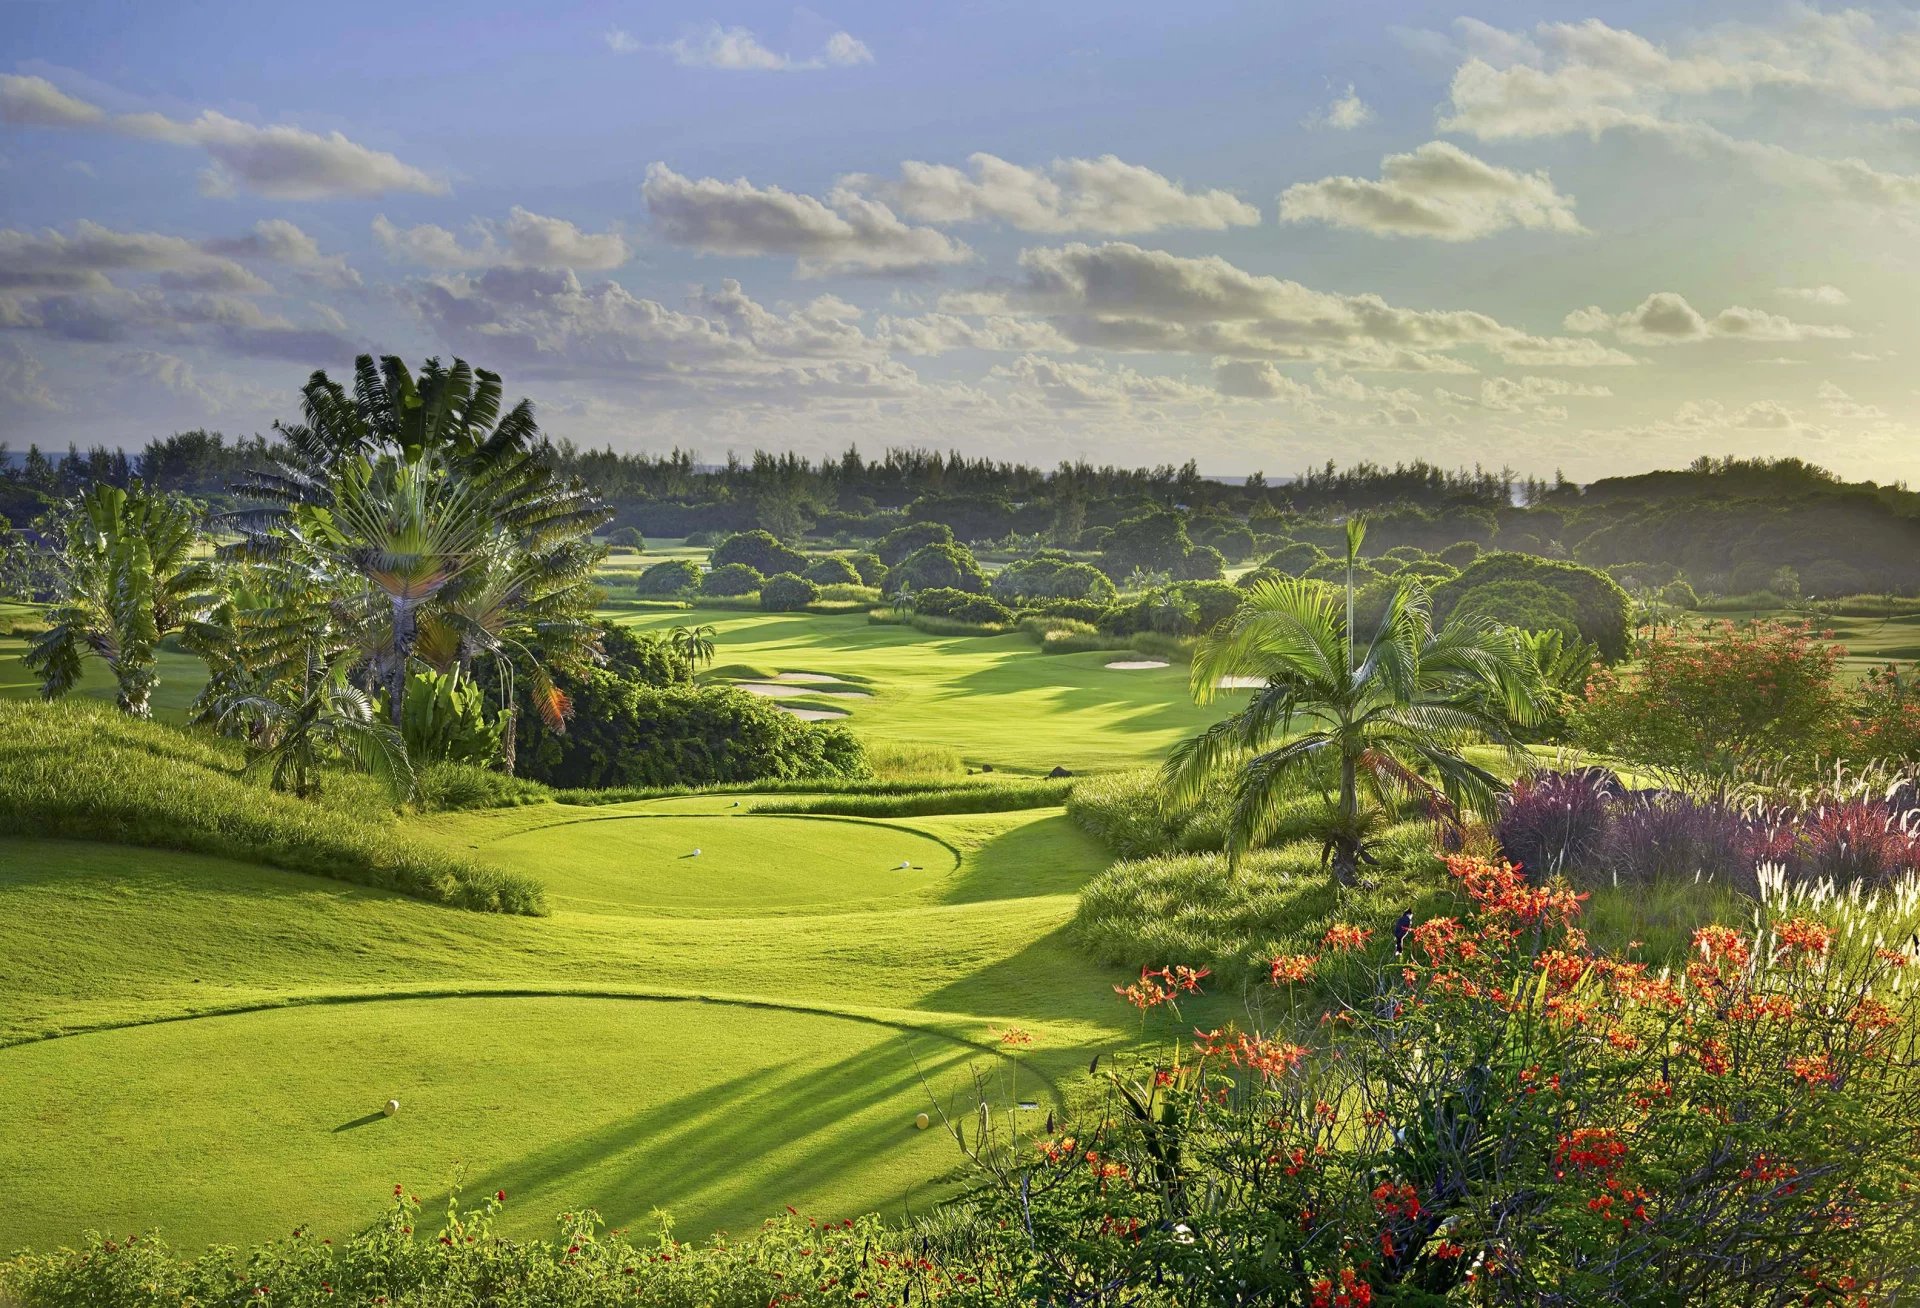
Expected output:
{"points": [[1050, 856], [741, 1148]]}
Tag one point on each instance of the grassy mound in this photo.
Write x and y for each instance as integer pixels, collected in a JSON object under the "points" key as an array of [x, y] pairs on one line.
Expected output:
{"points": [[81, 771]]}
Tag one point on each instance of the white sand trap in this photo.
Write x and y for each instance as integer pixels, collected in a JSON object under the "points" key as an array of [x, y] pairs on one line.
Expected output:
{"points": [[808, 678], [1136, 665], [789, 692], [1241, 683], [813, 715]]}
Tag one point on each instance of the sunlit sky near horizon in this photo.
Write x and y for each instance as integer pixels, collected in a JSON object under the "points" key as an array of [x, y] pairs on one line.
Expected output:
{"points": [[1599, 238]]}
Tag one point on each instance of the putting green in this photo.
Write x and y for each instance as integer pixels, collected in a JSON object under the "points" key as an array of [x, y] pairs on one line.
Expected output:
{"points": [[646, 862], [270, 1119]]}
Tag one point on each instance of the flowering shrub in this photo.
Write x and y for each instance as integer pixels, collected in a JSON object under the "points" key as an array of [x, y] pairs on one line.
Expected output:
{"points": [[1706, 708], [1884, 722], [1508, 1118], [1552, 821]]}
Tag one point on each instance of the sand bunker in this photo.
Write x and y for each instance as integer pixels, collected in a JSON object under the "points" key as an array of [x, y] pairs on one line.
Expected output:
{"points": [[1135, 665], [788, 692]]}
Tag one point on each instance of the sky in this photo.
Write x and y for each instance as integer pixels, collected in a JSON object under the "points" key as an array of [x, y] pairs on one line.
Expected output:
{"points": [[1595, 239]]}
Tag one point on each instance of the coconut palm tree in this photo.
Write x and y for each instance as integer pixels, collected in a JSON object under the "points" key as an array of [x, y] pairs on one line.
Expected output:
{"points": [[694, 644], [127, 576], [1381, 724], [320, 718]]}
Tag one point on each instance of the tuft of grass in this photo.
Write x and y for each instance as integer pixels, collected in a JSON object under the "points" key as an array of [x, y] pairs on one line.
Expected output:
{"points": [[902, 760], [450, 787], [82, 771]]}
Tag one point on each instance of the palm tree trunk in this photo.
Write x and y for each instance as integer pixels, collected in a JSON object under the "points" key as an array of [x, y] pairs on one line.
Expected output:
{"points": [[406, 629], [1346, 853], [509, 739]]}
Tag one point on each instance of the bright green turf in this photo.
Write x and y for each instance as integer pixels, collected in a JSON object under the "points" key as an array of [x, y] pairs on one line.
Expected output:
{"points": [[995, 699], [718, 1112], [224, 1125]]}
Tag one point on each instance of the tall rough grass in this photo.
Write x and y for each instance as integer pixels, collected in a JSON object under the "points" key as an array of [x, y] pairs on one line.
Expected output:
{"points": [[998, 796], [82, 771]]}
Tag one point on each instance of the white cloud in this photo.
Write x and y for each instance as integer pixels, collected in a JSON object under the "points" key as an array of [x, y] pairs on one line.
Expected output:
{"points": [[1345, 113], [848, 233], [1122, 297], [525, 240], [1064, 383], [1830, 296], [1590, 78], [1438, 191], [939, 333], [1257, 379], [1540, 396], [1842, 405], [56, 262], [1666, 318], [275, 240], [280, 162], [23, 383], [737, 49], [1105, 195]]}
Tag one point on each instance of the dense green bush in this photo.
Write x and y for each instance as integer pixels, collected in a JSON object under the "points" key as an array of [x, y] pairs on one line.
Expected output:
{"points": [[902, 541], [833, 570], [1460, 554], [1201, 563], [872, 571], [1212, 600], [1296, 558], [1074, 610], [936, 567], [83, 772], [1153, 542], [786, 593], [673, 577], [1527, 605], [1232, 540], [1602, 610], [759, 550], [731, 579], [448, 787], [628, 538], [1051, 574], [945, 602]]}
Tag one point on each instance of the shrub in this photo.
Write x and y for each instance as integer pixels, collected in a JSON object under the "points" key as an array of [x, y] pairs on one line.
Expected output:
{"points": [[1296, 558], [759, 550], [786, 593], [1153, 542], [1552, 822], [628, 538], [1072, 610], [937, 567], [897, 544], [1500, 1115], [731, 579], [1051, 576], [1710, 707], [833, 570], [1666, 835], [448, 787], [1201, 563], [1527, 605], [945, 602], [703, 538], [82, 772], [1679, 594], [1211, 600], [626, 733], [1602, 611], [872, 571], [673, 577]]}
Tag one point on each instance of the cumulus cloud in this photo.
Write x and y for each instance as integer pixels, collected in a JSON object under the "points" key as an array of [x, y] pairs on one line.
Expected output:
{"points": [[1345, 113], [737, 49], [1842, 405], [940, 333], [1063, 383], [1666, 318], [278, 161], [525, 240], [1105, 195], [1830, 296], [23, 380], [848, 233], [1590, 78], [1438, 191], [275, 240], [1257, 379], [1119, 296], [84, 259], [1537, 396]]}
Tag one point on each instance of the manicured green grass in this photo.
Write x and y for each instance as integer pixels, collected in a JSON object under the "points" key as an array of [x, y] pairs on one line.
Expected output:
{"points": [[995, 699], [536, 1054]]}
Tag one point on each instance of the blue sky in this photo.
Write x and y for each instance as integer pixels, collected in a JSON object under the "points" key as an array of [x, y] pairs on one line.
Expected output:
{"points": [[1597, 238]]}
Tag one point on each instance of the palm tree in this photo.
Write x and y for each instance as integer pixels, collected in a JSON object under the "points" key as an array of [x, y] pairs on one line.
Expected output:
{"points": [[1385, 725], [319, 718], [127, 577], [694, 644], [447, 515]]}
